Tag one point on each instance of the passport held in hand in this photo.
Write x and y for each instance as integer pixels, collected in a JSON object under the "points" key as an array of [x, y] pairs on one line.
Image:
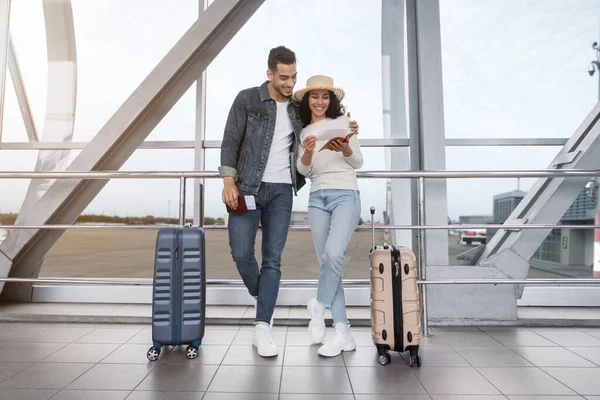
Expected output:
{"points": [[327, 145], [245, 204]]}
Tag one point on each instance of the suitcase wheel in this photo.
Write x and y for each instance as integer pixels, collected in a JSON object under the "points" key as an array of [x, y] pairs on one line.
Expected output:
{"points": [[191, 352], [385, 358], [414, 360], [153, 354]]}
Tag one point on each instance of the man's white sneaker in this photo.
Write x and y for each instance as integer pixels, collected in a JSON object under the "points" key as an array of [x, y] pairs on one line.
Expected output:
{"points": [[316, 326], [261, 339], [342, 340]]}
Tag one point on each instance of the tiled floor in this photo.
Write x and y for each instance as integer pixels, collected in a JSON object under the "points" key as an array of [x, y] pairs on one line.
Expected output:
{"points": [[86, 362]]}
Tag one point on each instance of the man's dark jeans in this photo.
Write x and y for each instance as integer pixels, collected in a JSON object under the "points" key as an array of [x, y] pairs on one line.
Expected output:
{"points": [[274, 211]]}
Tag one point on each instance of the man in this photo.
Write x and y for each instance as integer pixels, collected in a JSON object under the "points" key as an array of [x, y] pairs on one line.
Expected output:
{"points": [[258, 165]]}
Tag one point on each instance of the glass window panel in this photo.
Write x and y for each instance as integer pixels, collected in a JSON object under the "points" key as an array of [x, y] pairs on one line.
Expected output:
{"points": [[27, 29], [517, 68], [118, 45], [123, 253], [331, 48], [12, 191]]}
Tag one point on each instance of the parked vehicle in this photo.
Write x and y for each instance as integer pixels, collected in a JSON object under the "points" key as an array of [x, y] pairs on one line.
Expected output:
{"points": [[472, 236]]}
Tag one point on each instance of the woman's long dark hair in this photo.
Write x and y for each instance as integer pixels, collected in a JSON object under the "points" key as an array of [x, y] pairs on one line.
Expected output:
{"points": [[334, 110]]}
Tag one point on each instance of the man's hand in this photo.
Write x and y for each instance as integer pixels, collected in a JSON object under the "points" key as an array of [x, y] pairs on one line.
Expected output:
{"points": [[230, 193], [353, 125], [309, 144]]}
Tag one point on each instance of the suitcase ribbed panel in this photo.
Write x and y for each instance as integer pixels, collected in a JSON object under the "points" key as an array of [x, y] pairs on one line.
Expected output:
{"points": [[193, 285], [191, 318], [162, 287], [411, 303], [382, 321], [163, 296], [162, 318]]}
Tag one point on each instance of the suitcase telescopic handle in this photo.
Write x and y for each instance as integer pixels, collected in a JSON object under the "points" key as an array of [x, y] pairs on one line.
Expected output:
{"points": [[373, 227]]}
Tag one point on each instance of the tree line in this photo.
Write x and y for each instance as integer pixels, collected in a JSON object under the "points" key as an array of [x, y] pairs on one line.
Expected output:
{"points": [[10, 218]]}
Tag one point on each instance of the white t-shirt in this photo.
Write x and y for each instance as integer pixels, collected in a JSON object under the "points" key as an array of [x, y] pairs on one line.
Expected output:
{"points": [[278, 165], [330, 169]]}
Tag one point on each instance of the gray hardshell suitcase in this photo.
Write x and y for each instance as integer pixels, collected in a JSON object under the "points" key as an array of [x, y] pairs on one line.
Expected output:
{"points": [[179, 290]]}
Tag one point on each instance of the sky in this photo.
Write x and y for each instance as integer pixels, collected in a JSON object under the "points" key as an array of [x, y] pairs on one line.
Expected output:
{"points": [[511, 69]]}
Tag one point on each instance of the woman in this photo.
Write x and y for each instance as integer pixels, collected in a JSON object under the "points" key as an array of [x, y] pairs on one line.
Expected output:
{"points": [[334, 203]]}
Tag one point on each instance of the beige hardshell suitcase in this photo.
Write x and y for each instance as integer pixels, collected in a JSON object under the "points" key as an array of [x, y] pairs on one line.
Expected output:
{"points": [[395, 303]]}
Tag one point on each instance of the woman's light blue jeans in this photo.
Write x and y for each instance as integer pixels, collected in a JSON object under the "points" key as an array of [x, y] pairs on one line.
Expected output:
{"points": [[334, 215]]}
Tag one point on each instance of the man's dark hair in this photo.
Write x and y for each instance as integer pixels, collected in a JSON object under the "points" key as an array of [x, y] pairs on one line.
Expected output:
{"points": [[335, 109], [280, 55]]}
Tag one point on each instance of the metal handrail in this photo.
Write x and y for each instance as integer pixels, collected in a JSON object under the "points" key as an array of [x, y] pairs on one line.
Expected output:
{"points": [[533, 173], [307, 227]]}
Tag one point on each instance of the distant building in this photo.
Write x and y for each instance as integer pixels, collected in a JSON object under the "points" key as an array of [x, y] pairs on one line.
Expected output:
{"points": [[566, 247], [505, 203], [475, 219], [583, 208], [572, 247]]}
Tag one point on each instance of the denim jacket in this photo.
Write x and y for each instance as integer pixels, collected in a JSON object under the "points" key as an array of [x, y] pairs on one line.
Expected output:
{"points": [[248, 136]]}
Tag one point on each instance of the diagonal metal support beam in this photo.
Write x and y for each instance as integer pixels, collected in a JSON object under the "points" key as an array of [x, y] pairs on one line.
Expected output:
{"points": [[510, 250], [23, 250]]}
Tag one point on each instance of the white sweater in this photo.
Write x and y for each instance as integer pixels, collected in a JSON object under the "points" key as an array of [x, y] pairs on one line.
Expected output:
{"points": [[330, 169]]}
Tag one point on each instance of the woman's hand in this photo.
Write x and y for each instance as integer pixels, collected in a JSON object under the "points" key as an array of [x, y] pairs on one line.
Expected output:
{"points": [[343, 146], [309, 144], [353, 125]]}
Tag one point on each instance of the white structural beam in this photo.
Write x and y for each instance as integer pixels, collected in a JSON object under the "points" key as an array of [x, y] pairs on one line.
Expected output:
{"points": [[393, 63], [17, 79], [426, 119], [545, 203], [4, 39], [61, 97], [23, 250]]}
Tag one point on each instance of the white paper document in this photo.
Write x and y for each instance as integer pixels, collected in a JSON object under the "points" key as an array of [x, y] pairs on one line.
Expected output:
{"points": [[335, 128], [250, 203], [330, 134]]}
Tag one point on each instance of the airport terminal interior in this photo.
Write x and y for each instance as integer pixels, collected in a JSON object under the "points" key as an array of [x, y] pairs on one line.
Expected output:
{"points": [[479, 125]]}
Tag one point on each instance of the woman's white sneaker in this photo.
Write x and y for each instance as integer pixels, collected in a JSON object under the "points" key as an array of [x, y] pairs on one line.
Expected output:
{"points": [[316, 326], [261, 339], [342, 340]]}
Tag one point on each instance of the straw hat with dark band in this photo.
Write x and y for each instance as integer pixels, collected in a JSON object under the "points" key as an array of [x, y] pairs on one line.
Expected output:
{"points": [[319, 82]]}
